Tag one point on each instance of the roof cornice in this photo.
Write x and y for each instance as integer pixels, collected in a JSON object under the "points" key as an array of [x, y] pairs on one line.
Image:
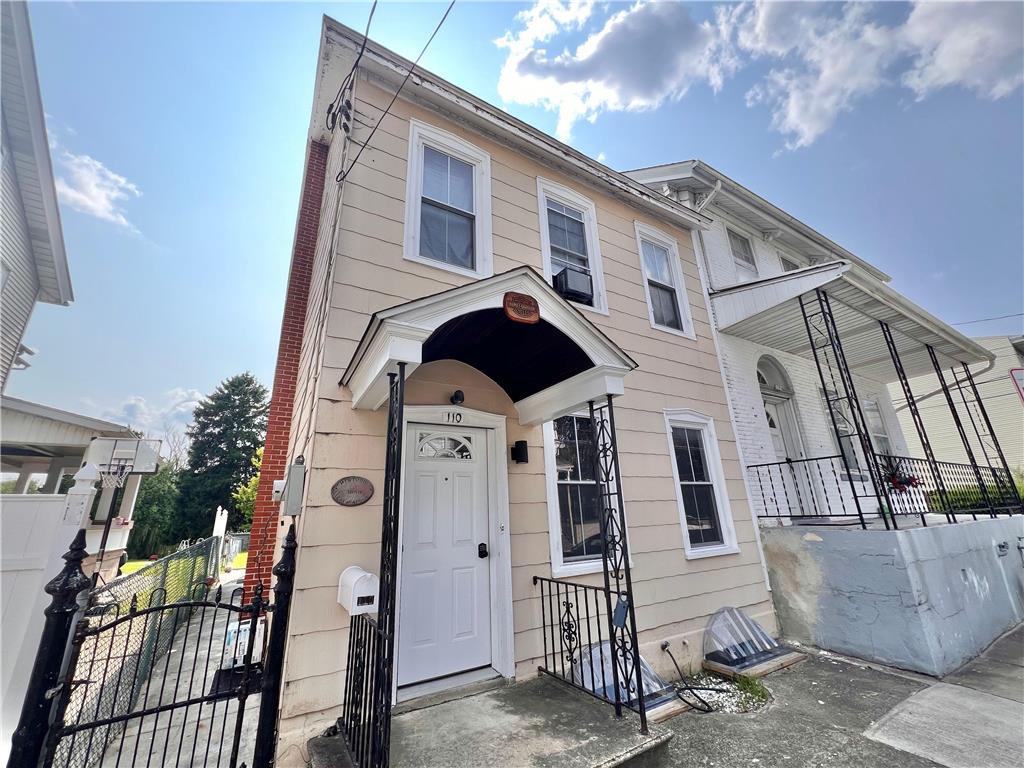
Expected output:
{"points": [[439, 94]]}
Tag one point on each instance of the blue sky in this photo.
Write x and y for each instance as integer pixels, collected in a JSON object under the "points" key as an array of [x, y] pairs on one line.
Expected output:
{"points": [[178, 134]]}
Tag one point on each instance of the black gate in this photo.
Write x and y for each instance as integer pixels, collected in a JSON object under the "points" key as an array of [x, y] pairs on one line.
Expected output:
{"points": [[156, 669]]}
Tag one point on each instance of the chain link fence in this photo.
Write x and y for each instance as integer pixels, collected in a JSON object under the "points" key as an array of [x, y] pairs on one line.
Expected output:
{"points": [[121, 641]]}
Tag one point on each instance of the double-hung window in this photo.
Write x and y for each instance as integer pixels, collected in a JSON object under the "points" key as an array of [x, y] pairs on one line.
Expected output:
{"points": [[667, 304], [572, 259], [448, 208], [700, 486], [742, 255], [876, 427]]}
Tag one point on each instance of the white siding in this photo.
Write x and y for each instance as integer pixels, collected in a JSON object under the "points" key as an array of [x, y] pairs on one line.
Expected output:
{"points": [[21, 287]]}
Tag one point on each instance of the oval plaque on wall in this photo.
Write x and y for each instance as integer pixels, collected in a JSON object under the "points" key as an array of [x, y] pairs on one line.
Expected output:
{"points": [[521, 308], [352, 491]]}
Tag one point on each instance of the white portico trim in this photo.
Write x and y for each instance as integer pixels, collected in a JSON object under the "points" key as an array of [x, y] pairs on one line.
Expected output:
{"points": [[397, 335]]}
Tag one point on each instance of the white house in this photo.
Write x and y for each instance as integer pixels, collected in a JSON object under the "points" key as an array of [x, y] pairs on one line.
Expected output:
{"points": [[811, 338]]}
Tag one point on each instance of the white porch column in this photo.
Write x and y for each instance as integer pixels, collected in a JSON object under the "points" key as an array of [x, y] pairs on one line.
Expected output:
{"points": [[58, 468], [128, 496], [25, 475]]}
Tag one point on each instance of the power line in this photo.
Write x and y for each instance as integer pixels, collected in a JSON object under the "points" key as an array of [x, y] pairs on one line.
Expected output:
{"points": [[986, 319], [332, 108], [345, 172]]}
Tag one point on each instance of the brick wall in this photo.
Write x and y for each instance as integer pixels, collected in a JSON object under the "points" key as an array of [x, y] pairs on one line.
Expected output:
{"points": [[275, 453]]}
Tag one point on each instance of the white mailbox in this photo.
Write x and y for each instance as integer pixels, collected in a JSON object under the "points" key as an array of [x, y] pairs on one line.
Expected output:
{"points": [[358, 590]]}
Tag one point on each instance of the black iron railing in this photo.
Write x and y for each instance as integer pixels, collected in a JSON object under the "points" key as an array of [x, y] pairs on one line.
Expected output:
{"points": [[577, 651], [359, 712], [821, 490]]}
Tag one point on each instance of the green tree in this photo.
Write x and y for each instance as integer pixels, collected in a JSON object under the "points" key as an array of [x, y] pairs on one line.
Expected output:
{"points": [[245, 494], [156, 508], [228, 426]]}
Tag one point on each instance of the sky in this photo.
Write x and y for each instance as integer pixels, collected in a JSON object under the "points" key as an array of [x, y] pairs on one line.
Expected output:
{"points": [[178, 134]]}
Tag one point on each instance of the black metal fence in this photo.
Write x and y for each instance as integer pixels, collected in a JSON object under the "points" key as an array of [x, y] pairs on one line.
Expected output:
{"points": [[361, 705], [821, 490], [577, 651], [115, 659], [157, 669]]}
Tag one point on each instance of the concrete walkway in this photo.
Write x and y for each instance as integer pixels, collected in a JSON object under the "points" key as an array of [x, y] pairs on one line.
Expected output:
{"points": [[973, 719]]}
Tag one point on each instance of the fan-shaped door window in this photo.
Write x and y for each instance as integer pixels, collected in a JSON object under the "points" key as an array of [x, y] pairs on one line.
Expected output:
{"points": [[431, 445]]}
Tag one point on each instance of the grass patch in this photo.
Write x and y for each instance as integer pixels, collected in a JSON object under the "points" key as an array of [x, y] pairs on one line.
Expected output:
{"points": [[752, 688]]}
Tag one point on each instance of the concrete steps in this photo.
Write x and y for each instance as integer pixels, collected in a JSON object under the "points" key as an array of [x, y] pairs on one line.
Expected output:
{"points": [[539, 723]]}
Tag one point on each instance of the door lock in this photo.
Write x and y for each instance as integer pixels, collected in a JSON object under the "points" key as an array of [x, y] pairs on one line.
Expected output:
{"points": [[481, 550]]}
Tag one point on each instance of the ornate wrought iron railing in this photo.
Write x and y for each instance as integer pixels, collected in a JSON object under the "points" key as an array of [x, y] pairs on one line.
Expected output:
{"points": [[359, 712], [577, 650], [821, 490]]}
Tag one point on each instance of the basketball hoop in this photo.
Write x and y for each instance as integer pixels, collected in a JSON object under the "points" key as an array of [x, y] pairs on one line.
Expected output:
{"points": [[117, 458]]}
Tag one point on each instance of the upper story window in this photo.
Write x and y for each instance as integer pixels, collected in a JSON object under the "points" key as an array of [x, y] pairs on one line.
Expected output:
{"points": [[667, 304], [448, 202], [700, 485], [876, 427], [742, 255], [568, 233], [788, 265]]}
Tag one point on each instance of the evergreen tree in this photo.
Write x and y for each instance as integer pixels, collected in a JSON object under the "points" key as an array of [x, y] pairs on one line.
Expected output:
{"points": [[227, 428], [155, 511]]}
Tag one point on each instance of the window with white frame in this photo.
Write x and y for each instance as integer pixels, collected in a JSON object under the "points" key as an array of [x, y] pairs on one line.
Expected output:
{"points": [[700, 485], [572, 258], [845, 433], [742, 254], [448, 202], [876, 427], [788, 265], [667, 304]]}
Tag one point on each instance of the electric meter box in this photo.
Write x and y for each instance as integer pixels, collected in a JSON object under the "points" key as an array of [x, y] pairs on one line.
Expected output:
{"points": [[358, 590]]}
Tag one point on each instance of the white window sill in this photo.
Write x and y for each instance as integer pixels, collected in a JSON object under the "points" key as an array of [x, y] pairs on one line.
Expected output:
{"points": [[588, 308], [697, 553], [578, 568], [691, 335], [476, 274]]}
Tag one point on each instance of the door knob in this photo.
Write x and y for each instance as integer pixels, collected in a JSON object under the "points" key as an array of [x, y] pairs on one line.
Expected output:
{"points": [[481, 550]]}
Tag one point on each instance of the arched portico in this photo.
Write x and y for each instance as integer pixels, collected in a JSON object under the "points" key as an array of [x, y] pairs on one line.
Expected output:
{"points": [[549, 366]]}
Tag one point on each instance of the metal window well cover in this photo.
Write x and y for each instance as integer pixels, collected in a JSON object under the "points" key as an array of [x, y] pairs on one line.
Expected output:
{"points": [[735, 640], [592, 671]]}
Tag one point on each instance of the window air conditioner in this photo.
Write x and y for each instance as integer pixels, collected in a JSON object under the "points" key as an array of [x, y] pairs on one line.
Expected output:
{"points": [[574, 285]]}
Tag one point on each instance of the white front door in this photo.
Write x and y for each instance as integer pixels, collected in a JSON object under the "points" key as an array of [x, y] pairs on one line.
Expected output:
{"points": [[444, 624], [773, 413]]}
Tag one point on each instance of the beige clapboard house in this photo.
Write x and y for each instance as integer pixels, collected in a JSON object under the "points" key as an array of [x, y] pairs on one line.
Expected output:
{"points": [[457, 226]]}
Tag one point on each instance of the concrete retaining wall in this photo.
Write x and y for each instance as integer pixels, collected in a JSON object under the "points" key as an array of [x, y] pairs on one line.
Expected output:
{"points": [[926, 599]]}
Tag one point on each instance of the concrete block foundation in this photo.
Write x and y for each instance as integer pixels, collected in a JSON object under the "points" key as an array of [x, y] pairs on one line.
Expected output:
{"points": [[925, 599]]}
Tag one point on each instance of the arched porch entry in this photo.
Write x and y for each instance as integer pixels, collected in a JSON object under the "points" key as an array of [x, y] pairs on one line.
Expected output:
{"points": [[550, 360], [780, 412]]}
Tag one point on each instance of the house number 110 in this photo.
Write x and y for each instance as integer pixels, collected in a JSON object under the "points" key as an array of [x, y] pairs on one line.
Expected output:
{"points": [[452, 417]]}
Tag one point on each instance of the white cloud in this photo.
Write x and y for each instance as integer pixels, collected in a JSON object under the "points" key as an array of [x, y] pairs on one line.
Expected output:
{"points": [[91, 188], [835, 61], [978, 47], [172, 411], [823, 57], [639, 57]]}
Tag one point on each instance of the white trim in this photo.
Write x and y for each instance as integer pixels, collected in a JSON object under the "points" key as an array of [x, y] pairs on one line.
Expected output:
{"points": [[396, 335], [421, 134], [685, 417], [559, 568], [569, 395], [549, 189], [697, 238], [502, 628], [657, 237]]}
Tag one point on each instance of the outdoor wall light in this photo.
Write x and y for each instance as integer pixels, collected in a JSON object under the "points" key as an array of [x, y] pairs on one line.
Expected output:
{"points": [[458, 397], [520, 453]]}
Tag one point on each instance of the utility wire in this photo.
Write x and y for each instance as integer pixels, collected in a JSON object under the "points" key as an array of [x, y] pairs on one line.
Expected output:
{"points": [[986, 319], [345, 172], [332, 108]]}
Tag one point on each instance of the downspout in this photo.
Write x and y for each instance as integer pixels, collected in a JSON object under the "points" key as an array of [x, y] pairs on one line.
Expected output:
{"points": [[986, 369]]}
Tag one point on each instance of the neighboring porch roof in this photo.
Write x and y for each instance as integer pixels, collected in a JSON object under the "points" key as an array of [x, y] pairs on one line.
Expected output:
{"points": [[768, 312], [34, 432], [547, 369]]}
